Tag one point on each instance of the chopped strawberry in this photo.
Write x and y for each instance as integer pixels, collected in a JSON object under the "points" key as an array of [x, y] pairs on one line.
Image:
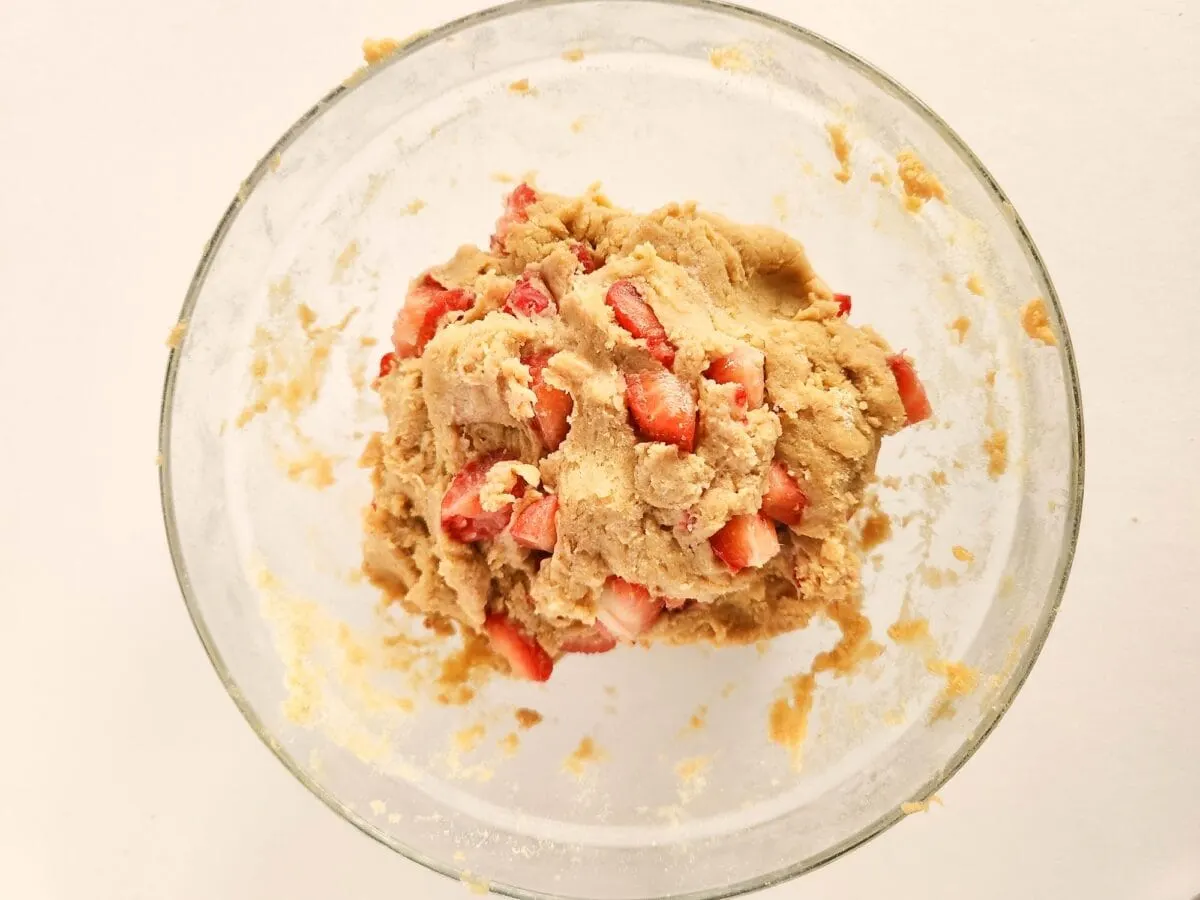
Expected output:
{"points": [[843, 302], [598, 639], [536, 526], [388, 362], [635, 316], [626, 609], [784, 500], [912, 392], [662, 407], [516, 206], [424, 307], [744, 366], [586, 256], [463, 516], [524, 654], [528, 297], [551, 406], [746, 541]]}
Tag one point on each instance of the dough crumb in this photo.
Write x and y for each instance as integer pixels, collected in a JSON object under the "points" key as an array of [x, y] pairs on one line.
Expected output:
{"points": [[841, 150], [882, 177], [920, 806], [468, 739], [691, 774], [961, 680], [919, 183], [376, 50], [572, 55], [158, 459], [528, 718], [510, 743], [1036, 322], [522, 86], [787, 724], [475, 884], [975, 285], [876, 529], [587, 752], [175, 336], [909, 631], [962, 554], [312, 468], [502, 177], [577, 124], [729, 59], [996, 447], [699, 718], [378, 807], [961, 326], [275, 162], [938, 477], [414, 207]]}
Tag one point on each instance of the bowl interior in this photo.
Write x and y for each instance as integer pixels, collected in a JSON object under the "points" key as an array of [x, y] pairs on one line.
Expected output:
{"points": [[268, 406]]}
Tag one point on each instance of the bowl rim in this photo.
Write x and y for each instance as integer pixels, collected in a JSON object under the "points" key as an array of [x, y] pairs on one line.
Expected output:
{"points": [[1016, 225]]}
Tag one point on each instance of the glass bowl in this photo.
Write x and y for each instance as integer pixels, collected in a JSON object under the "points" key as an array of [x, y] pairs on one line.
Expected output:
{"points": [[678, 789]]}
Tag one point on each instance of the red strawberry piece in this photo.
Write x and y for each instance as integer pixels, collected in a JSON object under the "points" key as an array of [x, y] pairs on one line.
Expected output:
{"points": [[746, 541], [427, 302], [524, 654], [586, 256], [387, 362], [536, 526], [743, 366], [626, 609], [662, 407], [529, 297], [784, 500], [463, 516], [635, 316], [597, 639], [912, 392], [516, 206], [551, 406], [843, 302]]}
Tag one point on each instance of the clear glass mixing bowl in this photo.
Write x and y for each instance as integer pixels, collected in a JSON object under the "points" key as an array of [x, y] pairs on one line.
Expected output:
{"points": [[388, 174]]}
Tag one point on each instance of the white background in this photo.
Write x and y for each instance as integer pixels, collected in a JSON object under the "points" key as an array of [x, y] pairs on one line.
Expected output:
{"points": [[125, 128]]}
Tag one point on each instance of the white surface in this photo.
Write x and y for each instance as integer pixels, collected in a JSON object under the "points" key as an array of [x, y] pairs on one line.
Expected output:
{"points": [[125, 771]]}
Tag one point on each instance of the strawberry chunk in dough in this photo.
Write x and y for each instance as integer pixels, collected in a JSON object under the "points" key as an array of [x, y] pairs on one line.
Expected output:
{"points": [[463, 516], [635, 316], [525, 655], [427, 303], [663, 408], [746, 542]]}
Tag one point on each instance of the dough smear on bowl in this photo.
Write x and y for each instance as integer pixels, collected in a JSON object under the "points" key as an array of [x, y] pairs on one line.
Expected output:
{"points": [[617, 427]]}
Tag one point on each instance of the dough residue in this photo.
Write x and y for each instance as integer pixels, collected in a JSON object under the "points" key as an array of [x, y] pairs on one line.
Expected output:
{"points": [[175, 337], [572, 55], [841, 150], [919, 183], [996, 448], [730, 59], [585, 754], [787, 724], [527, 718], [1036, 322], [975, 285]]}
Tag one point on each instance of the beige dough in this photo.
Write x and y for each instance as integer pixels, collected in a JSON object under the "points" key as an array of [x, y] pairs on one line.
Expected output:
{"points": [[642, 511]]}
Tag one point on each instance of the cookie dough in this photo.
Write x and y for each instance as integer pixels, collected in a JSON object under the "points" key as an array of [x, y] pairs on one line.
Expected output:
{"points": [[619, 427]]}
